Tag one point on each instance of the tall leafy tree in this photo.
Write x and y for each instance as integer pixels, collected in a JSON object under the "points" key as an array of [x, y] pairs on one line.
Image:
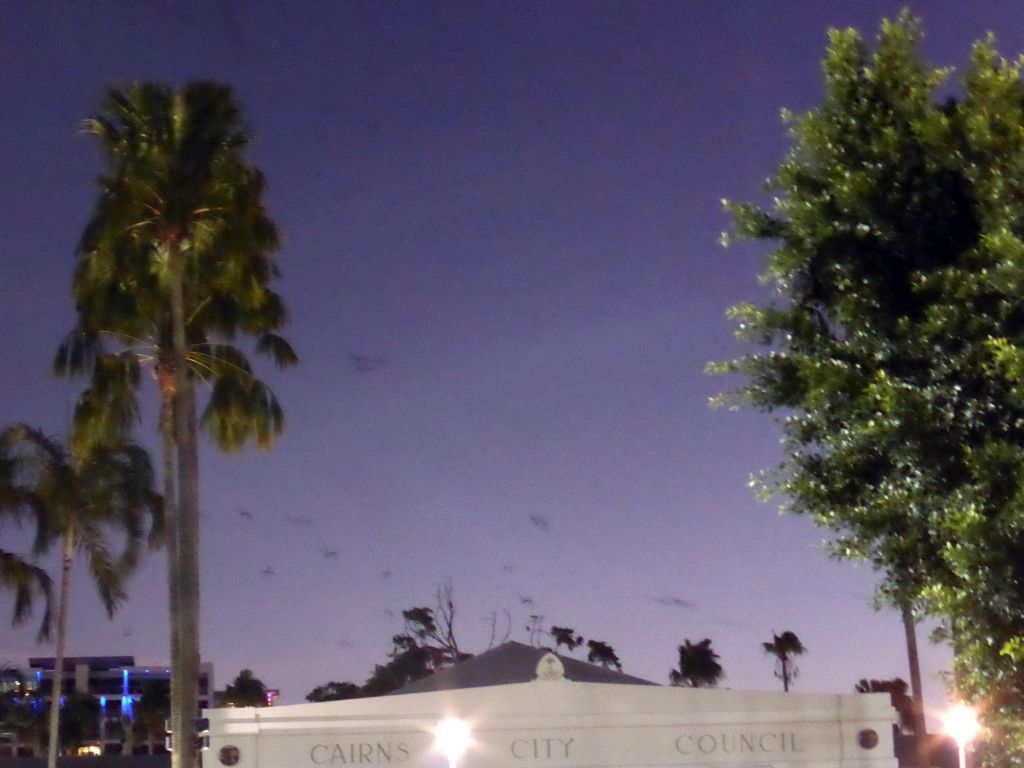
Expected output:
{"points": [[891, 350], [174, 264], [698, 666], [81, 501], [784, 648]]}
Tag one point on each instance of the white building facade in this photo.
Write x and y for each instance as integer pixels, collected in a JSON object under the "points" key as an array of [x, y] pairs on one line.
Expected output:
{"points": [[563, 717]]}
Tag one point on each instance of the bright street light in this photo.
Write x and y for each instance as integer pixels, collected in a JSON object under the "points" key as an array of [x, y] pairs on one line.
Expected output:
{"points": [[961, 722], [453, 738]]}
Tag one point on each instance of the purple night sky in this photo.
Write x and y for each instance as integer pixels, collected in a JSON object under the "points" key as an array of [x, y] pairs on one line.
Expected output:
{"points": [[513, 209]]}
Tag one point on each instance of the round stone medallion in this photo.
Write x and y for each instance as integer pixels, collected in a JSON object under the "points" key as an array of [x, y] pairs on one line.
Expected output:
{"points": [[868, 738], [229, 755]]}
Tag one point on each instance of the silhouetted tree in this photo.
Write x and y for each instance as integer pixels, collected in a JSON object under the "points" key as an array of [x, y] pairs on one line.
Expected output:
{"points": [[409, 662], [334, 691], [603, 654], [29, 721], [79, 721], [698, 666], [784, 647], [427, 645], [150, 713], [247, 690], [566, 636]]}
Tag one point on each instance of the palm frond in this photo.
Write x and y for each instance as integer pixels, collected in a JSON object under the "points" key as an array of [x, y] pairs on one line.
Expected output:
{"points": [[77, 354], [278, 349], [241, 410], [107, 573], [27, 581]]}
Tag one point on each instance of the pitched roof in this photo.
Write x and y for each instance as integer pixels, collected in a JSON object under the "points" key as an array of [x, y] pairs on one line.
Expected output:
{"points": [[512, 663]]}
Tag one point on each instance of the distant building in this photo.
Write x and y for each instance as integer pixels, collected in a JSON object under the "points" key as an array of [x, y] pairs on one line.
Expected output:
{"points": [[116, 682]]}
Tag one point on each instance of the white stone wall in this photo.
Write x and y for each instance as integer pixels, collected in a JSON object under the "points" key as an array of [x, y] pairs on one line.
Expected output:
{"points": [[563, 724]]}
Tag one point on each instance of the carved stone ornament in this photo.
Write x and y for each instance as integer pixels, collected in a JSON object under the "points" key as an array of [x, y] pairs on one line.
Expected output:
{"points": [[550, 668], [868, 738]]}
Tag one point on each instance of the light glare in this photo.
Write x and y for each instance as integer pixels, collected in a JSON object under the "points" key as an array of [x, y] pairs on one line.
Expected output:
{"points": [[452, 737], [961, 722]]}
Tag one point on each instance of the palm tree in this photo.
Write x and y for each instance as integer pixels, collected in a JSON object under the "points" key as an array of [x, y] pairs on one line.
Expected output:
{"points": [[175, 258], [698, 666], [919, 725], [784, 647], [79, 499]]}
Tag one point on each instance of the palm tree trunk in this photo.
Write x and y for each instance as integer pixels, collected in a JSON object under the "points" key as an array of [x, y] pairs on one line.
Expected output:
{"points": [[188, 552], [67, 562], [166, 379], [187, 577], [920, 732]]}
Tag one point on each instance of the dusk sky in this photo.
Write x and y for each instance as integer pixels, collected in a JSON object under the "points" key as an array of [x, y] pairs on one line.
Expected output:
{"points": [[500, 252]]}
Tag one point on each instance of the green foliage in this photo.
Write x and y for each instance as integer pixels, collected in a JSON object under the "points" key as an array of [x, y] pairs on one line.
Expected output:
{"points": [[698, 666], [87, 497], [892, 353], [173, 266], [177, 182]]}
